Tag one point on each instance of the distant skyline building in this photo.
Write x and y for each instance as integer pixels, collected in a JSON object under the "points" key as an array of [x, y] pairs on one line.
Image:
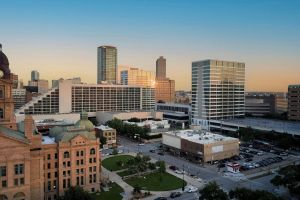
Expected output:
{"points": [[137, 77], [218, 91], [73, 98], [35, 75], [164, 87], [161, 67], [107, 64], [164, 90], [294, 102]]}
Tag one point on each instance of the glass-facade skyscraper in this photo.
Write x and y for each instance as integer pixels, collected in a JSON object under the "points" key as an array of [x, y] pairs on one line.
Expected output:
{"points": [[107, 64], [218, 90]]}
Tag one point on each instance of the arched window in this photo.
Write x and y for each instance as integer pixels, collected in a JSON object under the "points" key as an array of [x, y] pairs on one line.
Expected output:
{"points": [[92, 151], [66, 154], [19, 196], [3, 197], [1, 113]]}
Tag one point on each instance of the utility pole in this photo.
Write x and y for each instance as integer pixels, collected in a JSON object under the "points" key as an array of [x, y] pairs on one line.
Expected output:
{"points": [[183, 177]]}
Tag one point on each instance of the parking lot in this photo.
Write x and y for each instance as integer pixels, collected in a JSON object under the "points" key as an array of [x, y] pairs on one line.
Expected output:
{"points": [[256, 157]]}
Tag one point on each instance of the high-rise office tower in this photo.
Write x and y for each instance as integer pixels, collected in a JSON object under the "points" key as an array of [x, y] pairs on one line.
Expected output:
{"points": [[137, 77], [294, 102], [161, 67], [35, 75], [217, 90], [107, 64]]}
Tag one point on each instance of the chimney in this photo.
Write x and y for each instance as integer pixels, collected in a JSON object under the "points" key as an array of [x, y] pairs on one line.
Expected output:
{"points": [[28, 126]]}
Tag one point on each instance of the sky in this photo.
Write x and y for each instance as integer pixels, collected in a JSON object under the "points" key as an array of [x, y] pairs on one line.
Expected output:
{"points": [[59, 38]]}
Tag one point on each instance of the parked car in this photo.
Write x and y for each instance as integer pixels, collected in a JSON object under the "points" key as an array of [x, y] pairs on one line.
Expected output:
{"points": [[249, 160], [141, 144], [160, 198], [175, 194], [172, 167], [179, 171], [120, 151], [161, 153], [152, 150], [221, 165]]}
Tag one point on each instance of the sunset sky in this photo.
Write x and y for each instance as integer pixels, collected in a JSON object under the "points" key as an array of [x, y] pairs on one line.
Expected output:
{"points": [[59, 38]]}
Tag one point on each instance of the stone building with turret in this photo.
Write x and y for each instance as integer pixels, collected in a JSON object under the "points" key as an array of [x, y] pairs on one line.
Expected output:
{"points": [[33, 166]]}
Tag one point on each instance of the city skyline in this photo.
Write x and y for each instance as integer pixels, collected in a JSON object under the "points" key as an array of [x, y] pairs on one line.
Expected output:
{"points": [[262, 34]]}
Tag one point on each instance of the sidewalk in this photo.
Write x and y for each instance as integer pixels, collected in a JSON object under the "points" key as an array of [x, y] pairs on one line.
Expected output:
{"points": [[117, 179]]}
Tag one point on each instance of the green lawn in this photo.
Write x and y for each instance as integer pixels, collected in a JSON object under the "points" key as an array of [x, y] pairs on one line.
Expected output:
{"points": [[153, 182], [111, 162], [112, 194], [124, 173]]}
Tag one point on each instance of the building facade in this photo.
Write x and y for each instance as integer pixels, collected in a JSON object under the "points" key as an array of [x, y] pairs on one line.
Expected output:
{"points": [[199, 145], [174, 112], [109, 133], [294, 102], [19, 96], [164, 90], [161, 67], [73, 98], [137, 77], [218, 90], [107, 64]]}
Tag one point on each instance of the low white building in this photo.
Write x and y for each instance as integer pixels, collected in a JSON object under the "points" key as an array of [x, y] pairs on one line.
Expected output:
{"points": [[103, 117]]}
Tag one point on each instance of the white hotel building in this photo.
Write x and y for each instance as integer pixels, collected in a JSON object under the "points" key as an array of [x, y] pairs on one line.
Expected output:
{"points": [[74, 98], [218, 91]]}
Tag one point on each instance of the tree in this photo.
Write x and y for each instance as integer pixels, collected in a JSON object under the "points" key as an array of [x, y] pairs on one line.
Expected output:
{"points": [[212, 191], [289, 177], [246, 194], [137, 189], [102, 141], [76, 193], [114, 152], [161, 166]]}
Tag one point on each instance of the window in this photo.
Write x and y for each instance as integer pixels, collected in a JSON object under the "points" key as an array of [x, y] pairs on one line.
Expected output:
{"points": [[1, 113], [81, 161], [55, 174], [64, 183], [56, 164], [49, 157], [69, 182], [49, 185], [95, 178], [54, 184], [66, 154], [81, 153], [91, 178], [4, 183], [81, 180], [92, 151], [69, 163], [94, 160], [19, 169], [49, 175], [77, 162], [49, 165], [2, 171], [55, 155], [90, 169], [77, 153], [94, 168], [21, 181], [16, 182], [77, 180]]}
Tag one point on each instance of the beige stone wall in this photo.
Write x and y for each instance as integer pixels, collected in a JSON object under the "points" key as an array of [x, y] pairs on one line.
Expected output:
{"points": [[230, 148]]}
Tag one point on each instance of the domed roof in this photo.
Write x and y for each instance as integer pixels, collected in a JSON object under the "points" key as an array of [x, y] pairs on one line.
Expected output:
{"points": [[3, 59], [84, 122], [55, 130]]}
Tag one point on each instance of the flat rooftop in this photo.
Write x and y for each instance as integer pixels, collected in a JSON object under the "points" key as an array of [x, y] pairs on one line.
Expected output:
{"points": [[104, 128], [281, 126], [201, 137]]}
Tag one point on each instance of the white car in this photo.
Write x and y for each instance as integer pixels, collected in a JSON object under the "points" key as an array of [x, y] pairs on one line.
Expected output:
{"points": [[179, 171], [190, 189], [120, 151], [141, 144]]}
